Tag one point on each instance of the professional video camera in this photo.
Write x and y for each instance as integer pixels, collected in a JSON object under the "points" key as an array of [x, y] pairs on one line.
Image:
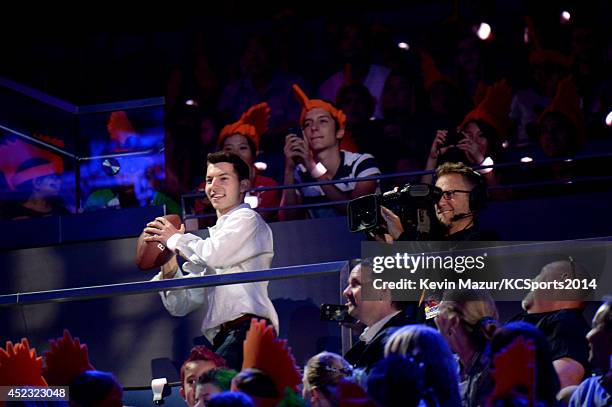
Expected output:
{"points": [[412, 203]]}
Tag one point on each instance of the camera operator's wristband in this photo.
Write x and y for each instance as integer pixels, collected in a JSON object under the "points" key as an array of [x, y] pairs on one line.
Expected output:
{"points": [[318, 171]]}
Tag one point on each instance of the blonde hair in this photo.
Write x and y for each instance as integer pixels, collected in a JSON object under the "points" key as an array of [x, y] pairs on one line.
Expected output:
{"points": [[476, 308], [324, 371], [471, 177]]}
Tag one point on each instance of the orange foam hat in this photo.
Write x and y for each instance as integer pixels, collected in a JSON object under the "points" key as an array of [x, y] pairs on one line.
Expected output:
{"points": [[309, 104], [120, 128], [19, 365], [263, 351], [431, 73], [67, 359], [252, 124], [494, 108], [479, 93], [541, 55], [567, 102], [16, 152]]}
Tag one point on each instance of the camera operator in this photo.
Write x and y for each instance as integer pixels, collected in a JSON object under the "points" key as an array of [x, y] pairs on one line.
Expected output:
{"points": [[463, 194]]}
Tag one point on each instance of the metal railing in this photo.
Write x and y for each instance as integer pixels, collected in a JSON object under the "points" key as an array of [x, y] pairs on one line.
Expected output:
{"points": [[412, 174], [139, 287]]}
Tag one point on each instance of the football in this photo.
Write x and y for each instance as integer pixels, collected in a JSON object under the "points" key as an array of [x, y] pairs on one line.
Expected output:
{"points": [[151, 255]]}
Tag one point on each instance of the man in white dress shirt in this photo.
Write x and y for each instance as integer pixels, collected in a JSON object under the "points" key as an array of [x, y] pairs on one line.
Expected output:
{"points": [[240, 241]]}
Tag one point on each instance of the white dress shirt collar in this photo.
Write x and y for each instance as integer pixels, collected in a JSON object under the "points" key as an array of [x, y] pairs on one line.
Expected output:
{"points": [[370, 332]]}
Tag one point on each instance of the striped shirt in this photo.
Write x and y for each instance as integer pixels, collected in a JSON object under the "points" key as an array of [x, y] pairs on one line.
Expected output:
{"points": [[352, 165]]}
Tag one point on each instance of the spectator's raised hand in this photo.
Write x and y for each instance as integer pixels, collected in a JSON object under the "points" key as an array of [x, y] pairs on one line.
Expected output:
{"points": [[439, 147], [473, 151], [297, 152]]}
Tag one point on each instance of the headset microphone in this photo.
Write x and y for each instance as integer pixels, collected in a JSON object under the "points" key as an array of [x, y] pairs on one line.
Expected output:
{"points": [[460, 216]]}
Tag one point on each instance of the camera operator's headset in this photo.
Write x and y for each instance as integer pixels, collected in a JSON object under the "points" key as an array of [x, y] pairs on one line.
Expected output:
{"points": [[478, 195]]}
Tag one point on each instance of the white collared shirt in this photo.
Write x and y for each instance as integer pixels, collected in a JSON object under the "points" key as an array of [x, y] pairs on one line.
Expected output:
{"points": [[370, 332], [240, 241]]}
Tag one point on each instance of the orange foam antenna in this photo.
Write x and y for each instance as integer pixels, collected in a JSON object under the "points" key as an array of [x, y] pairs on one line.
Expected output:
{"points": [[430, 71], [309, 104], [514, 366], [494, 108], [567, 102], [479, 93], [539, 54], [66, 359], [252, 124], [263, 351], [19, 365]]}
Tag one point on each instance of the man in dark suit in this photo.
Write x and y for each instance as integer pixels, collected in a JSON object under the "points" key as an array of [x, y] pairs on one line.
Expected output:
{"points": [[379, 316]]}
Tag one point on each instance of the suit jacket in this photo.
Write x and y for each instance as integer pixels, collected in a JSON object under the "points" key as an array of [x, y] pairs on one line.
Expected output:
{"points": [[365, 356]]}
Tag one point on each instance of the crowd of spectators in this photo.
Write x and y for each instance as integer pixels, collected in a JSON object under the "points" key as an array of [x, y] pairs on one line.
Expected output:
{"points": [[471, 359], [366, 103], [447, 94], [533, 89]]}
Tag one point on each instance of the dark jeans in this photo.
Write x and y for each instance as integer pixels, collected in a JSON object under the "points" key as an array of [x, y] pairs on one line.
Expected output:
{"points": [[229, 344]]}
